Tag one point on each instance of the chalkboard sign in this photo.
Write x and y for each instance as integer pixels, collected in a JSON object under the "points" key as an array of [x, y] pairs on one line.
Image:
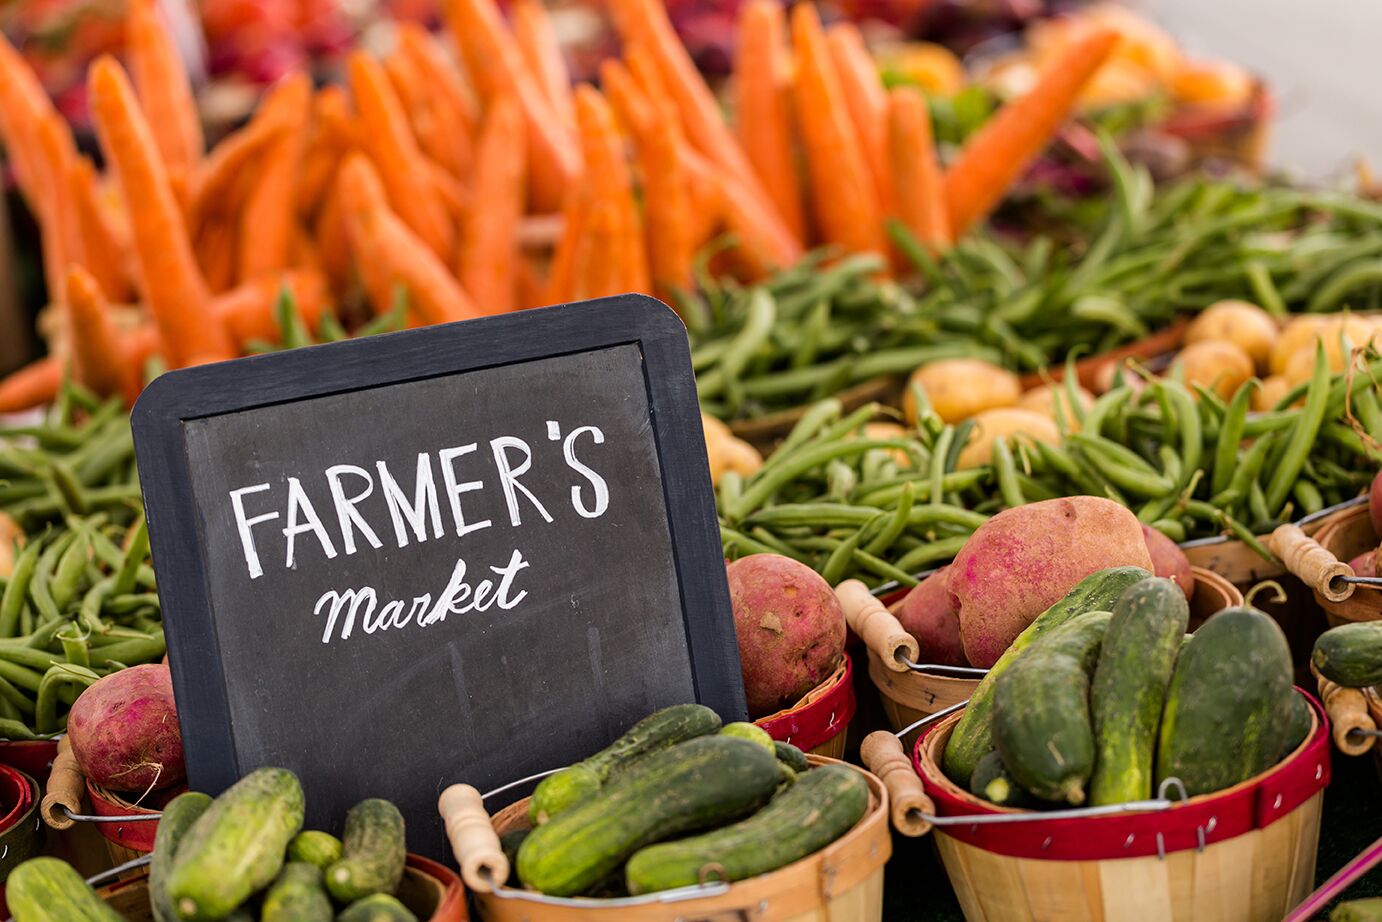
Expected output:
{"points": [[464, 553]]}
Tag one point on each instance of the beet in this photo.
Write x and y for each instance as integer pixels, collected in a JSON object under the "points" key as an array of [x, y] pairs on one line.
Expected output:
{"points": [[1169, 560], [927, 613], [124, 731]]}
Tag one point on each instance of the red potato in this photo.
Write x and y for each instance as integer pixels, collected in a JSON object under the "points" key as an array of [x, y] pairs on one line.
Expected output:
{"points": [[124, 731], [1375, 504], [928, 615], [1021, 561], [1169, 560], [790, 626]]}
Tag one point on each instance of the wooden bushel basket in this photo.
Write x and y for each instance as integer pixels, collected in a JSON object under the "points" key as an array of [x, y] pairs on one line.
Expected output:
{"points": [[843, 882], [1244, 854], [910, 694], [817, 723]]}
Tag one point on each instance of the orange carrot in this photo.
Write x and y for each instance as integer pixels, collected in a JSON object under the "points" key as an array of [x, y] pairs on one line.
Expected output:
{"points": [[598, 273], [451, 192], [62, 241], [380, 237], [24, 105], [489, 246], [704, 194], [98, 358], [1001, 150], [216, 246], [532, 290], [561, 279], [537, 41], [626, 96], [269, 218], [917, 184], [164, 91], [607, 173], [248, 311], [326, 143], [418, 101], [763, 107], [494, 60], [865, 98], [329, 231], [453, 101], [228, 163], [105, 246], [32, 386], [757, 238], [169, 278], [843, 192], [386, 137]]}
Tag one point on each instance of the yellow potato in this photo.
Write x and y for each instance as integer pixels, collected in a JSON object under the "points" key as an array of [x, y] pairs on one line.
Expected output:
{"points": [[10, 536], [1043, 400], [1007, 423], [1246, 325], [1220, 366], [1271, 391], [726, 451], [1301, 363], [885, 430], [1299, 331], [959, 388]]}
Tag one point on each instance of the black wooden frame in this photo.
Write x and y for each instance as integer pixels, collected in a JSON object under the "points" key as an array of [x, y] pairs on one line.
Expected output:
{"points": [[262, 381]]}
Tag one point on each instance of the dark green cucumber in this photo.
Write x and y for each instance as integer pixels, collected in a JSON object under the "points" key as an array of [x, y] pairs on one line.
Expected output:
{"points": [[992, 782], [510, 842], [297, 895], [1129, 690], [1300, 718], [178, 816], [1223, 721], [657, 731], [236, 847], [823, 805], [1041, 721], [973, 735], [318, 848], [1351, 654], [373, 852], [791, 756], [49, 890], [381, 907], [698, 784]]}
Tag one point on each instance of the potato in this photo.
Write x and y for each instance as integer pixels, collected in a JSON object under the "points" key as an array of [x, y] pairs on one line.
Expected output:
{"points": [[726, 451], [1300, 335], [1299, 331], [1021, 561], [1271, 391], [1043, 400], [1365, 564], [11, 538], [929, 615], [1169, 560], [886, 430], [790, 626], [1008, 423], [1107, 371], [1219, 366], [959, 388], [1246, 325], [1301, 364]]}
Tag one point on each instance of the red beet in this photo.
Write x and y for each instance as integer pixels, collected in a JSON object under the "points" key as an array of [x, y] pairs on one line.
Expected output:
{"points": [[124, 731], [1365, 564], [1169, 560], [927, 613]]}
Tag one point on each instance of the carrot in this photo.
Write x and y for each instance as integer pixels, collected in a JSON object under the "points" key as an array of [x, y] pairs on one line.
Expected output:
{"points": [[98, 358], [452, 101], [537, 41], [704, 195], [105, 245], [532, 290], [24, 105], [386, 137], [626, 96], [381, 238], [598, 274], [269, 218], [757, 238], [763, 107], [161, 83], [169, 278], [843, 192], [217, 249], [865, 98], [429, 128], [329, 231], [331, 136], [489, 245], [248, 311], [607, 173], [917, 184], [62, 241], [228, 163], [998, 153], [32, 386], [561, 280], [494, 60]]}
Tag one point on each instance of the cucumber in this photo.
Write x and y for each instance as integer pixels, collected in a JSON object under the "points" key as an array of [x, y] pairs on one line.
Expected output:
{"points": [[992, 782], [178, 816], [236, 847], [655, 732], [1129, 689], [49, 890], [751, 732], [1300, 718], [823, 805], [1350, 654], [698, 784], [791, 756], [1223, 722], [973, 734], [380, 907], [315, 847], [296, 895], [1368, 910], [510, 842], [373, 852], [1041, 721]]}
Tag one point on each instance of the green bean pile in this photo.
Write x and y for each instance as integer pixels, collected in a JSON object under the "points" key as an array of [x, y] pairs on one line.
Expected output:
{"points": [[814, 330], [1191, 466], [79, 604]]}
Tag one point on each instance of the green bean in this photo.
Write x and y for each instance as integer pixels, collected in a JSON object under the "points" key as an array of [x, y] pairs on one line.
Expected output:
{"points": [[20, 654], [1302, 434], [835, 565], [942, 549], [22, 676], [885, 494], [777, 544], [1350, 278], [18, 730], [126, 604], [1230, 435], [812, 331], [730, 486], [74, 646], [769, 480], [1307, 496], [1244, 534], [1191, 433], [1094, 419], [1171, 529], [41, 637], [45, 710], [68, 573], [882, 568], [1035, 490], [1257, 502], [39, 591], [1260, 424], [16, 698], [735, 540], [89, 614], [1148, 479], [957, 445], [1264, 289], [1170, 463], [758, 326], [1006, 471], [938, 464], [130, 651], [896, 525], [16, 590]]}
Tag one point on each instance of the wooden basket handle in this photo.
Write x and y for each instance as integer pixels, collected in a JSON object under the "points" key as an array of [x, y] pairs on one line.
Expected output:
{"points": [[484, 866], [876, 626], [1348, 711], [882, 753], [1312, 563], [65, 787]]}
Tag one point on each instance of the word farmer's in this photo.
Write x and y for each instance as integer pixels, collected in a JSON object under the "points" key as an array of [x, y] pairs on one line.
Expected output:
{"points": [[415, 515]]}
